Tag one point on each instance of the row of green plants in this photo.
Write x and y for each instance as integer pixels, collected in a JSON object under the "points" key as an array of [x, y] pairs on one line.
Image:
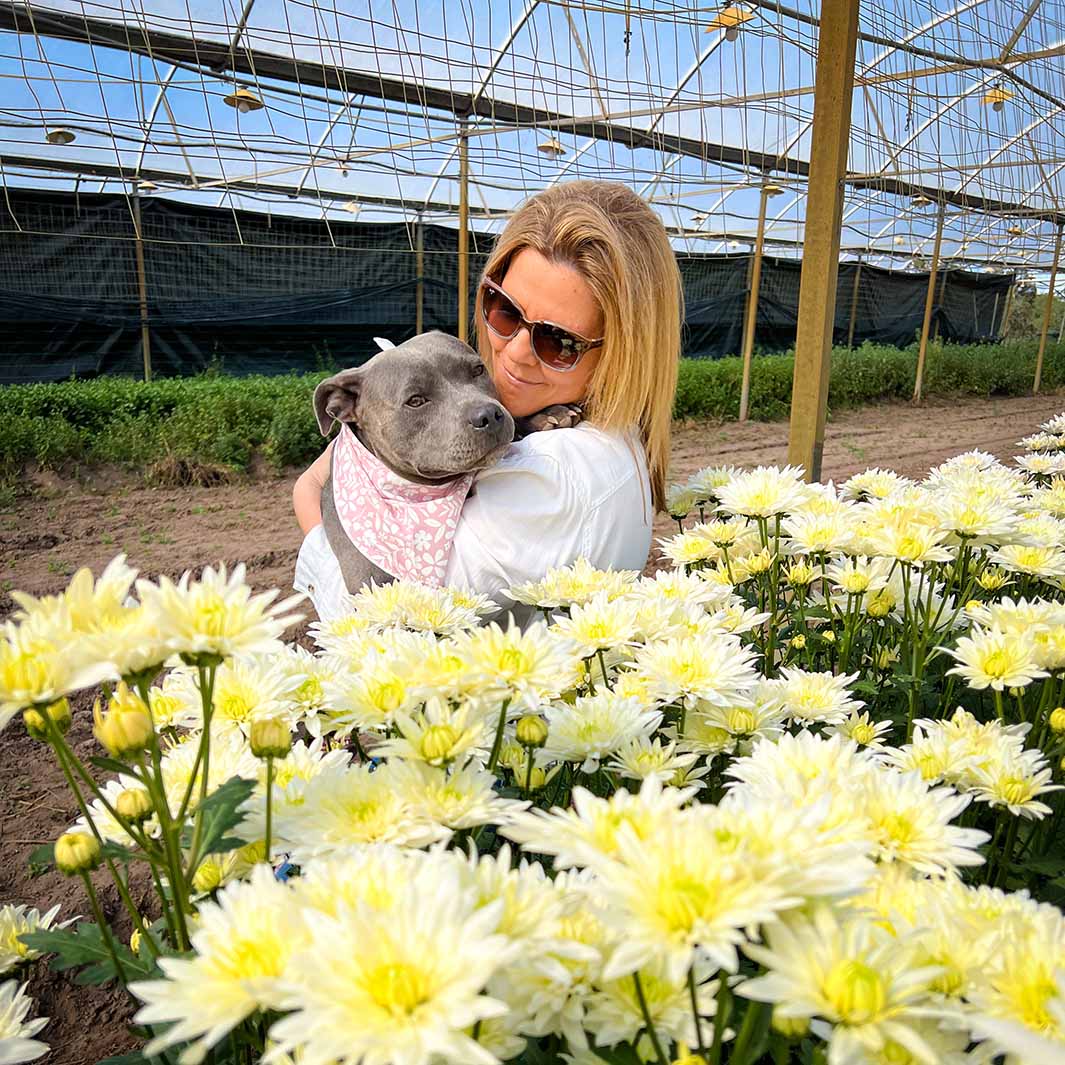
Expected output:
{"points": [[224, 421]]}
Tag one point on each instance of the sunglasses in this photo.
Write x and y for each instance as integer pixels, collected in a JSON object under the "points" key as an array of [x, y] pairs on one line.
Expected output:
{"points": [[555, 347]]}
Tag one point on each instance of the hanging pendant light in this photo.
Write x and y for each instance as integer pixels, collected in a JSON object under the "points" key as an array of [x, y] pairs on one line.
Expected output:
{"points": [[920, 200], [699, 219], [147, 187], [1015, 231], [900, 240], [996, 98], [352, 207], [730, 19], [59, 135], [771, 188], [552, 146], [244, 100]]}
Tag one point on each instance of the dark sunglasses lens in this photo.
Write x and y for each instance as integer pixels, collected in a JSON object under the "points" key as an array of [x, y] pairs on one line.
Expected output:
{"points": [[500, 313], [555, 347]]}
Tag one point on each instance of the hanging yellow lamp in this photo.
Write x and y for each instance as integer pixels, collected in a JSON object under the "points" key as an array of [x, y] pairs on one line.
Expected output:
{"points": [[1015, 231], [730, 19], [771, 188], [996, 98], [244, 100], [552, 146]]}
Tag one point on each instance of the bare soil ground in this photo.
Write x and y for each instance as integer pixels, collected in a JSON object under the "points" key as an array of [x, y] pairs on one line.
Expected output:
{"points": [[65, 523]]}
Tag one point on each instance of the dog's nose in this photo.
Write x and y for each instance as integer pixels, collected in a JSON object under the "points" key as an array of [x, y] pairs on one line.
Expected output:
{"points": [[487, 416]]}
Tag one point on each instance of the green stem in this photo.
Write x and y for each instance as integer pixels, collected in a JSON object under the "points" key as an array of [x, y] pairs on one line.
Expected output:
{"points": [[724, 1007], [1007, 852], [528, 774], [753, 1020], [648, 1023], [497, 743], [269, 803], [695, 1014], [105, 930], [602, 666]]}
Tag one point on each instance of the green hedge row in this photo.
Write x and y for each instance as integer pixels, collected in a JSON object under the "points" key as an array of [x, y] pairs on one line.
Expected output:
{"points": [[223, 421]]}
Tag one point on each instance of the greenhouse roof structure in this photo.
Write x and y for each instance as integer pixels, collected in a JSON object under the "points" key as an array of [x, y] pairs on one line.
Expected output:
{"points": [[320, 109]]}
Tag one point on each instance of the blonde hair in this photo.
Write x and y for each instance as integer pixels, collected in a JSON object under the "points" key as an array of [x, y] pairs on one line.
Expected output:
{"points": [[612, 238]]}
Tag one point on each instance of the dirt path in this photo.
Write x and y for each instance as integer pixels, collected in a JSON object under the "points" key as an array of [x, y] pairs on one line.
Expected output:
{"points": [[66, 524]]}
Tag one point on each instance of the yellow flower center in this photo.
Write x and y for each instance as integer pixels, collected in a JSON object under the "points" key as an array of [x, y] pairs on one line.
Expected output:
{"points": [[438, 741], [997, 664], [512, 661], [742, 720], [234, 706], [855, 991], [683, 901], [249, 958], [1015, 790], [309, 693], [387, 695], [24, 672], [212, 616], [863, 733], [951, 980], [897, 827], [1030, 1000], [398, 988]]}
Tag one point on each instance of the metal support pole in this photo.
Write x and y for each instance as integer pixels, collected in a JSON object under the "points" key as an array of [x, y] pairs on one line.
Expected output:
{"points": [[830, 140], [464, 229], [941, 302], [750, 322], [1048, 310], [419, 269], [929, 301], [854, 303], [142, 287], [1061, 328], [994, 313]]}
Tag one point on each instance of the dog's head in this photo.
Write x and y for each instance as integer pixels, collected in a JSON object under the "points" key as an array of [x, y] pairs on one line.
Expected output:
{"points": [[427, 408]]}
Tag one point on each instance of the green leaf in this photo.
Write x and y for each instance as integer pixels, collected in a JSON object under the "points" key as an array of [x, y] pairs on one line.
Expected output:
{"points": [[83, 947], [116, 852], [42, 859], [622, 1054], [112, 765], [220, 813]]}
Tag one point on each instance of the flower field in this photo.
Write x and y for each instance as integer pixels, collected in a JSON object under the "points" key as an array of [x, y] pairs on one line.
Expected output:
{"points": [[796, 800]]}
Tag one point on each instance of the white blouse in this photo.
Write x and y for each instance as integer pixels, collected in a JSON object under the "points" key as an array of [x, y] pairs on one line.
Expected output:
{"points": [[554, 497]]}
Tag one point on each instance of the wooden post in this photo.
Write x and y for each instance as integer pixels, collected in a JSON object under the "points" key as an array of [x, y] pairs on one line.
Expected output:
{"points": [[142, 287], [419, 285], [750, 323], [941, 302], [464, 230], [1046, 314], [854, 303], [1004, 327], [1061, 328], [829, 143], [994, 314], [929, 301]]}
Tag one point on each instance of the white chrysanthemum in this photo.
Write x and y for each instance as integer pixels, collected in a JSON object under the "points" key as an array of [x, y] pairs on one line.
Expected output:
{"points": [[995, 659], [39, 664], [589, 832], [230, 757], [677, 589], [644, 757], [245, 689], [856, 983], [397, 988], [528, 667], [1041, 530], [452, 798], [689, 549], [595, 726], [1038, 561], [910, 542], [217, 614], [439, 734], [680, 501], [686, 894], [812, 533], [16, 1033], [361, 805], [310, 673], [572, 585], [601, 624], [243, 944], [711, 668], [863, 730], [1015, 781], [706, 482], [872, 484], [814, 698], [16, 921], [1041, 465], [764, 492], [910, 822], [408, 605], [859, 575], [976, 519], [762, 717], [735, 617]]}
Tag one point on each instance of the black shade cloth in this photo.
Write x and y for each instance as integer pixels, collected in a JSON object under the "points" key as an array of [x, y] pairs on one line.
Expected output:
{"points": [[253, 293]]}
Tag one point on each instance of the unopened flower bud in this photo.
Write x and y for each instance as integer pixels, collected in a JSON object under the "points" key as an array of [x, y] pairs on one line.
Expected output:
{"points": [[207, 878], [800, 574], [879, 604], [798, 642], [790, 1027], [828, 636], [537, 778], [438, 742], [270, 737], [973, 605], [134, 804], [135, 940], [126, 728], [758, 564], [37, 725], [531, 731], [77, 852], [1057, 719], [686, 1057]]}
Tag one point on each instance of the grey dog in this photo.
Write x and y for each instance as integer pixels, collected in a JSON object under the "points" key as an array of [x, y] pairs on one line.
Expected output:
{"points": [[428, 410]]}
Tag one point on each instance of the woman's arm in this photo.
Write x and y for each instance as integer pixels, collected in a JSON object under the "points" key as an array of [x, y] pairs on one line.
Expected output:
{"points": [[307, 492]]}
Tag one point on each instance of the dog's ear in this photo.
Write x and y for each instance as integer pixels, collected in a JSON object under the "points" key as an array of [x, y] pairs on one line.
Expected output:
{"points": [[336, 397]]}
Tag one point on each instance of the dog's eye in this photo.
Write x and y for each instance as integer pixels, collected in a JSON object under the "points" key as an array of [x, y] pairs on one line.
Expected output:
{"points": [[478, 370], [417, 401]]}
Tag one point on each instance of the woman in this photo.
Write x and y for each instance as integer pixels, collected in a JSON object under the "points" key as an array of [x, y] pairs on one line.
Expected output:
{"points": [[580, 303]]}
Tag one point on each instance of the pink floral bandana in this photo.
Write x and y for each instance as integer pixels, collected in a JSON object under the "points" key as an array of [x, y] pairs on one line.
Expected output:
{"points": [[405, 528]]}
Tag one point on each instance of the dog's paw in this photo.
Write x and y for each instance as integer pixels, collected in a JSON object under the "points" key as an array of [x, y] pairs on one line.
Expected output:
{"points": [[557, 416]]}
